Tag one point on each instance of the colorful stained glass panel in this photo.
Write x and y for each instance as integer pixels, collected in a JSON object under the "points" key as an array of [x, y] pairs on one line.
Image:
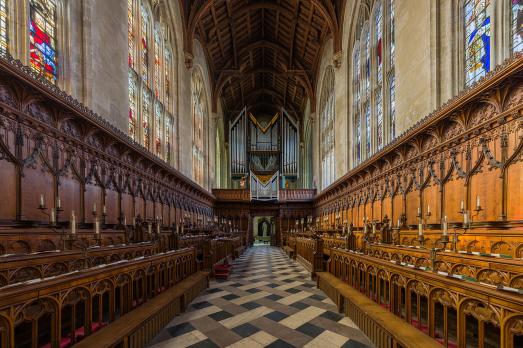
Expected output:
{"points": [[42, 41]]}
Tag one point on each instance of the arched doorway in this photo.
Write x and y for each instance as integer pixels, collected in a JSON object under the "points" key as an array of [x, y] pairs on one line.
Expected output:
{"points": [[263, 228]]}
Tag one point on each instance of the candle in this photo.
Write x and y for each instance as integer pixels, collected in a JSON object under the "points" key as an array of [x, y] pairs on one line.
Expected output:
{"points": [[428, 209], [125, 220], [58, 202], [73, 223], [158, 228], [419, 211], [104, 211], [149, 228], [420, 229], [399, 223], [42, 204], [462, 206], [465, 218], [94, 208], [445, 226], [134, 221], [478, 203], [53, 216], [96, 226], [373, 228]]}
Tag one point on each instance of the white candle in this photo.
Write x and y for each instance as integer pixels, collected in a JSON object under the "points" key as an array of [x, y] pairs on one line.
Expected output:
{"points": [[125, 221], [104, 210], [419, 211], [420, 229], [53, 216], [373, 228], [462, 206], [158, 228], [73, 223], [399, 223], [465, 218], [97, 226], [445, 226], [134, 220], [42, 201], [478, 203], [428, 208], [149, 228], [58, 202], [94, 207]]}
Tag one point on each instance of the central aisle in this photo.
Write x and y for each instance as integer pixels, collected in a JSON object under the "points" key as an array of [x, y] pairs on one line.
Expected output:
{"points": [[269, 301]]}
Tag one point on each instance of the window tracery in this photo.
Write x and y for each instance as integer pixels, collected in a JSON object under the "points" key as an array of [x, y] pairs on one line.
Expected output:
{"points": [[327, 129], [150, 80]]}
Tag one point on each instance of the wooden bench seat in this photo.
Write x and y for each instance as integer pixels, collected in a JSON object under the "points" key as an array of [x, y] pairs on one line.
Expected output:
{"points": [[382, 327], [139, 326]]}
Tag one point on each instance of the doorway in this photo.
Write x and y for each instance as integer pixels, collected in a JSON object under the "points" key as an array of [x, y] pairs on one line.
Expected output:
{"points": [[263, 228]]}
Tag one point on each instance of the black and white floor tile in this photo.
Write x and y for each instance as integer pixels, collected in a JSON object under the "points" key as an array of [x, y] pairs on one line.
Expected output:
{"points": [[268, 301]]}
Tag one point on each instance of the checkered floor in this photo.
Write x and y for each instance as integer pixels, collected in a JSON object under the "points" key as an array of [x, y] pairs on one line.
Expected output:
{"points": [[269, 301]]}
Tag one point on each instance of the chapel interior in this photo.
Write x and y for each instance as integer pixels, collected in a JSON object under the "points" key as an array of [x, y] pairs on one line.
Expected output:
{"points": [[261, 173]]}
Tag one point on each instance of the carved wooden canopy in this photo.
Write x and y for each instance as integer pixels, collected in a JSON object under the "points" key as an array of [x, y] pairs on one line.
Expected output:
{"points": [[263, 54]]}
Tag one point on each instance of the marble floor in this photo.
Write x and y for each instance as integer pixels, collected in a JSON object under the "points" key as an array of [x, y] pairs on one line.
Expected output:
{"points": [[268, 301]]}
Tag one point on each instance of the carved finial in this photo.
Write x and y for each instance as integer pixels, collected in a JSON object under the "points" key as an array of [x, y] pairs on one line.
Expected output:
{"points": [[337, 59], [188, 60]]}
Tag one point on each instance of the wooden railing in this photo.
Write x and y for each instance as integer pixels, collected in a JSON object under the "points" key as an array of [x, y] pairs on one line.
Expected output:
{"points": [[60, 310], [231, 194], [453, 311], [287, 195], [309, 253], [20, 268]]}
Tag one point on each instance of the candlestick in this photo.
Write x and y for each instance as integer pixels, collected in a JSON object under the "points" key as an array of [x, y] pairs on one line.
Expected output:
{"points": [[96, 226], [420, 229], [419, 211], [134, 221], [445, 226], [373, 227], [399, 223], [104, 210], [58, 202], [94, 208], [158, 227], [53, 216], [73, 223], [42, 202], [149, 228], [125, 220], [478, 203]]}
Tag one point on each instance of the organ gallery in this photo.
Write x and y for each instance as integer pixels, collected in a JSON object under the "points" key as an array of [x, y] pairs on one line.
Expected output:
{"points": [[251, 173]]}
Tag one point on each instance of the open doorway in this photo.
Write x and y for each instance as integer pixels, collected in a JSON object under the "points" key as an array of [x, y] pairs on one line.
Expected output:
{"points": [[263, 228]]}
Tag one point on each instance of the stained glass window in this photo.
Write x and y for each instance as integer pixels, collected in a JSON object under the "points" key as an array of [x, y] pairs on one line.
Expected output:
{"points": [[517, 25], [157, 62], [146, 115], [366, 61], [367, 129], [158, 115], [3, 27], [356, 94], [133, 97], [42, 38], [392, 111], [477, 40], [130, 32], [391, 74], [167, 79], [199, 113], [327, 128], [378, 40], [168, 131], [144, 31]]}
